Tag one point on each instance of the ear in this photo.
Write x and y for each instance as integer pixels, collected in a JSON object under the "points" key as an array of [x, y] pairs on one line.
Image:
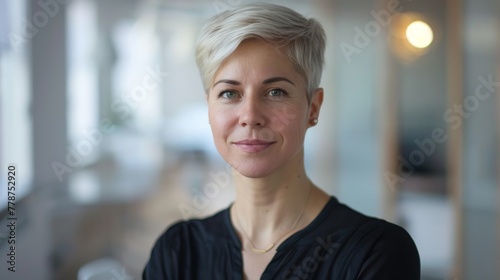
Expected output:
{"points": [[316, 101]]}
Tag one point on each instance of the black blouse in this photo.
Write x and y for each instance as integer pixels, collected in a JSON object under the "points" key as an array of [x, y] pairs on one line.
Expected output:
{"points": [[339, 243]]}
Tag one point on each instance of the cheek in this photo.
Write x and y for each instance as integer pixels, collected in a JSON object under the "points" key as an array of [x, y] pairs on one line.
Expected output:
{"points": [[294, 134], [220, 124], [289, 120], [292, 125]]}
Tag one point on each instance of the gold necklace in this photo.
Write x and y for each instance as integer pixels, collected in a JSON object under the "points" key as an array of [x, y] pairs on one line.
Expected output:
{"points": [[263, 251]]}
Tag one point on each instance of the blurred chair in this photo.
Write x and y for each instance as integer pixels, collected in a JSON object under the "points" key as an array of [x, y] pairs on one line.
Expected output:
{"points": [[103, 269]]}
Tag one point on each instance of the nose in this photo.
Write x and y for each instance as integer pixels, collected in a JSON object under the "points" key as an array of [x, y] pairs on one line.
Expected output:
{"points": [[252, 113]]}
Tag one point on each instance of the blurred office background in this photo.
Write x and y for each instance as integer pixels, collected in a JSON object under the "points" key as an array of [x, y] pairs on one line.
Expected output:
{"points": [[102, 111]]}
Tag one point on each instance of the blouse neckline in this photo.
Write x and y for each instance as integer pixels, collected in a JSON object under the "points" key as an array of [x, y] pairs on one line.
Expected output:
{"points": [[317, 221]]}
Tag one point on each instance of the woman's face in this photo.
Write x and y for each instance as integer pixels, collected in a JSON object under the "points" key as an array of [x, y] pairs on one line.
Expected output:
{"points": [[258, 109]]}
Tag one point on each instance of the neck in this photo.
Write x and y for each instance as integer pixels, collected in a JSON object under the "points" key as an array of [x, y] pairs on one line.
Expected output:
{"points": [[267, 208]]}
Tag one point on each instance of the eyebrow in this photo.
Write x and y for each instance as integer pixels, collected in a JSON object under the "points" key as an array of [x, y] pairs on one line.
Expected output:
{"points": [[266, 81], [231, 82], [277, 79]]}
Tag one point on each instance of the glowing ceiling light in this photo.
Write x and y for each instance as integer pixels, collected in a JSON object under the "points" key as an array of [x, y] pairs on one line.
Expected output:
{"points": [[419, 34]]}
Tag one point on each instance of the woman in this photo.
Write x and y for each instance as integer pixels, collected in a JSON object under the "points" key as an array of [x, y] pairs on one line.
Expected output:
{"points": [[261, 66]]}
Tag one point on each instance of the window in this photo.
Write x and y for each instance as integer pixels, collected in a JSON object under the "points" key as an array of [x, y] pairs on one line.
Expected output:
{"points": [[15, 119]]}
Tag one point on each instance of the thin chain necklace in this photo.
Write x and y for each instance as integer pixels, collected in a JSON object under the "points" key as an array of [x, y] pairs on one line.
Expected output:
{"points": [[263, 251]]}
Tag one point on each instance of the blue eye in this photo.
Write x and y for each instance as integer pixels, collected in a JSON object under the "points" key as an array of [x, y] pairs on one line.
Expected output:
{"points": [[277, 93], [227, 94]]}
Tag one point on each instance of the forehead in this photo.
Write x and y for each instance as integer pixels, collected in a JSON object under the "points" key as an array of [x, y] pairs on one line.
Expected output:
{"points": [[255, 59]]}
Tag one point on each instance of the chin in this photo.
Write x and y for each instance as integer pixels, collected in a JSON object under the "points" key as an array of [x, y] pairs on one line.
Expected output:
{"points": [[254, 169]]}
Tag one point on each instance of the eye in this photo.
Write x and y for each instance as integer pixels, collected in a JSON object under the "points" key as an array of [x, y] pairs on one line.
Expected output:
{"points": [[228, 94], [277, 92]]}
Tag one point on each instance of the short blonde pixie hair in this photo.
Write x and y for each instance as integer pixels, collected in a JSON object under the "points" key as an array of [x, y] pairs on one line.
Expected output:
{"points": [[301, 39]]}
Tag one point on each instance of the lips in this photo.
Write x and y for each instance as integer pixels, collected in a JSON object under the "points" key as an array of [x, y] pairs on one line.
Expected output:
{"points": [[253, 145]]}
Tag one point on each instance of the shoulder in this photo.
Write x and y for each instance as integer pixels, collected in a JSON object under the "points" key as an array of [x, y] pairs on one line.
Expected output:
{"points": [[194, 230], [393, 238], [382, 250], [378, 230], [180, 243], [389, 252], [392, 253]]}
